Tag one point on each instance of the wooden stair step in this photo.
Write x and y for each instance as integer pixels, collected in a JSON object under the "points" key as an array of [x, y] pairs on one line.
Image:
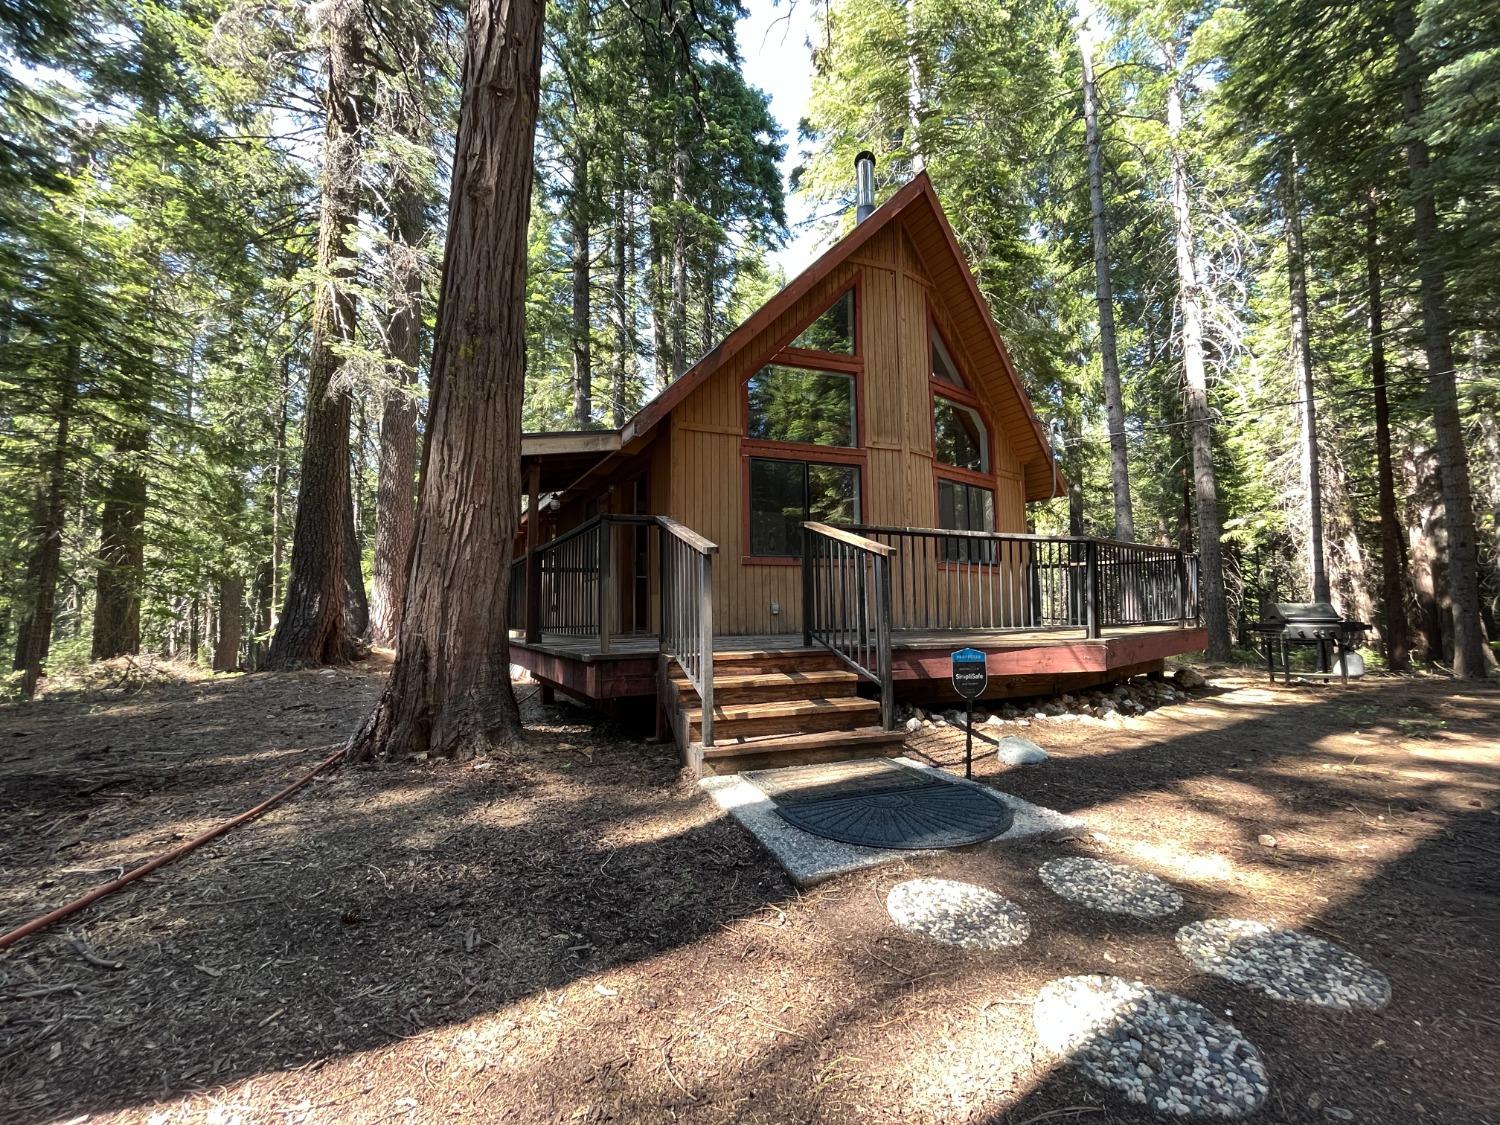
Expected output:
{"points": [[770, 751], [774, 660], [784, 717], [770, 686]]}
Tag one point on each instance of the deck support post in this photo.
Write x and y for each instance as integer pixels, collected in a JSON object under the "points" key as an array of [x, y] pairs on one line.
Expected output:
{"points": [[533, 609], [1091, 587]]}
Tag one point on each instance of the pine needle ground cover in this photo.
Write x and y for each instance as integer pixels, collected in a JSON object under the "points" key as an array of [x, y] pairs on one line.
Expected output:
{"points": [[573, 933]]}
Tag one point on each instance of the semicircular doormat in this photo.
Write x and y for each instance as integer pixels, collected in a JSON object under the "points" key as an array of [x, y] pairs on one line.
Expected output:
{"points": [[883, 805]]}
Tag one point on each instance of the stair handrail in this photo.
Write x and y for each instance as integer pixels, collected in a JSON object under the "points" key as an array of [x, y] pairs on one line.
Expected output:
{"points": [[687, 610], [846, 604]]}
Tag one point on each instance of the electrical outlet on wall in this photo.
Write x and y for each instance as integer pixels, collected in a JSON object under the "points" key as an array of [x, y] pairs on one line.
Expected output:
{"points": [[775, 608]]}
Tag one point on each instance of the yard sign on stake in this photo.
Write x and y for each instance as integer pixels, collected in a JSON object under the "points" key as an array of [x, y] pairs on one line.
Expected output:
{"points": [[970, 675]]}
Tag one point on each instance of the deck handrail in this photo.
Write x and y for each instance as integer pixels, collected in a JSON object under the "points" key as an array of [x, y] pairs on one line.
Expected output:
{"points": [[870, 528], [578, 592], [989, 580], [846, 604], [687, 610]]}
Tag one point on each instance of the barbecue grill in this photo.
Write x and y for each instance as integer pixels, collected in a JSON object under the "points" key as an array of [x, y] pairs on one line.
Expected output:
{"points": [[1312, 624]]}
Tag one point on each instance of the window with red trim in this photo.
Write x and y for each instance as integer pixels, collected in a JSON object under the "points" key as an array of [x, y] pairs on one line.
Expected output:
{"points": [[784, 494]]}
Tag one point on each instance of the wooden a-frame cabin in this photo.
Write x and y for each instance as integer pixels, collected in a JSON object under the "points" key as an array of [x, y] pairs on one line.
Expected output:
{"points": [[806, 523]]}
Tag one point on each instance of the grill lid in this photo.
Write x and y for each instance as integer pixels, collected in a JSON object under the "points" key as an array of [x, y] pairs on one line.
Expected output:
{"points": [[1303, 613]]}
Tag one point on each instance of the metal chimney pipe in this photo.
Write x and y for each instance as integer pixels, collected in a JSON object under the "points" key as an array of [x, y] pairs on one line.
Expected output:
{"points": [[864, 186]]}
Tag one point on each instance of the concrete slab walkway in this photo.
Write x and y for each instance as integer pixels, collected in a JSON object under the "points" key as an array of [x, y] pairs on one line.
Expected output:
{"points": [[810, 859]]}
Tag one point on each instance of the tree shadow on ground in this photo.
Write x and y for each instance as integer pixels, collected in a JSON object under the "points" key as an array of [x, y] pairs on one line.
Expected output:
{"points": [[404, 900]]}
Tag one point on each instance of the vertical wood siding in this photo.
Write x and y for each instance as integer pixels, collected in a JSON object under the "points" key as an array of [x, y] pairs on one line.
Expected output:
{"points": [[706, 479]]}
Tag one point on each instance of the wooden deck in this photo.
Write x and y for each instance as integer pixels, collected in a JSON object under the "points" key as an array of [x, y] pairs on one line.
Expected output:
{"points": [[1021, 663]]}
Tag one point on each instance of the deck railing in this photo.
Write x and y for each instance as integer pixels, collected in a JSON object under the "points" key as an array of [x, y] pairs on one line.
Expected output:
{"points": [[986, 581], [846, 604], [594, 582], [687, 610]]}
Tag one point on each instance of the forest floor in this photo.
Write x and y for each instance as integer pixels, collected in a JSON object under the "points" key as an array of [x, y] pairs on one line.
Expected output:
{"points": [[573, 932]]}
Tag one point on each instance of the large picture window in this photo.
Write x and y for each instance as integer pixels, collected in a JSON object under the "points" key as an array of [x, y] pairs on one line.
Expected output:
{"points": [[799, 404], [783, 494], [833, 331], [961, 438], [966, 507]]}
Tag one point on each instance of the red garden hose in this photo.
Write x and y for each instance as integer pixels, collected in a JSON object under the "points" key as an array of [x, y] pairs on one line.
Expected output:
{"points": [[182, 849]]}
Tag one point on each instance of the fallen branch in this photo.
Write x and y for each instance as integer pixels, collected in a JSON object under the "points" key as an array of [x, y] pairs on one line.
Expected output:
{"points": [[33, 993], [90, 956]]}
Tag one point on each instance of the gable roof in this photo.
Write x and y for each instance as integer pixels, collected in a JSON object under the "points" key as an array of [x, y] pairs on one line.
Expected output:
{"points": [[917, 206]]}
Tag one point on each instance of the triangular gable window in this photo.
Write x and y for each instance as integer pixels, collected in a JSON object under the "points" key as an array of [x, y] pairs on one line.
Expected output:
{"points": [[833, 331], [944, 370]]}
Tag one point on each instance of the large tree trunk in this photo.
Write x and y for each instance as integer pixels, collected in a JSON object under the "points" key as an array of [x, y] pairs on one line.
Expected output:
{"points": [[227, 642], [312, 629], [1392, 537], [50, 532], [449, 693], [1442, 385], [122, 552], [1307, 406], [1210, 550], [395, 489], [583, 313], [1114, 402]]}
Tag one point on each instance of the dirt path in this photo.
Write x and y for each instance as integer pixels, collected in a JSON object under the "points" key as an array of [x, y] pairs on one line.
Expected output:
{"points": [[573, 934]]}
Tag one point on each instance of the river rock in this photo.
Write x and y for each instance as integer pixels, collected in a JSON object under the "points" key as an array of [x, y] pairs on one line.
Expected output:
{"points": [[1016, 751]]}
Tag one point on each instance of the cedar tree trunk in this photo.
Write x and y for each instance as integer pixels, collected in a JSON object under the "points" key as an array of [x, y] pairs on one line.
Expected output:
{"points": [[449, 693], [312, 628]]}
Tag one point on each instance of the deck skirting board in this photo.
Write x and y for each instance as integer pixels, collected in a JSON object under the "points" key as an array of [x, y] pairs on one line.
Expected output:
{"points": [[1034, 663]]}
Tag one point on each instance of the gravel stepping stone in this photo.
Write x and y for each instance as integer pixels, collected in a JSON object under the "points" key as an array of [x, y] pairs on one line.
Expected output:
{"points": [[957, 914], [1284, 964], [1158, 1050], [1111, 887]]}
